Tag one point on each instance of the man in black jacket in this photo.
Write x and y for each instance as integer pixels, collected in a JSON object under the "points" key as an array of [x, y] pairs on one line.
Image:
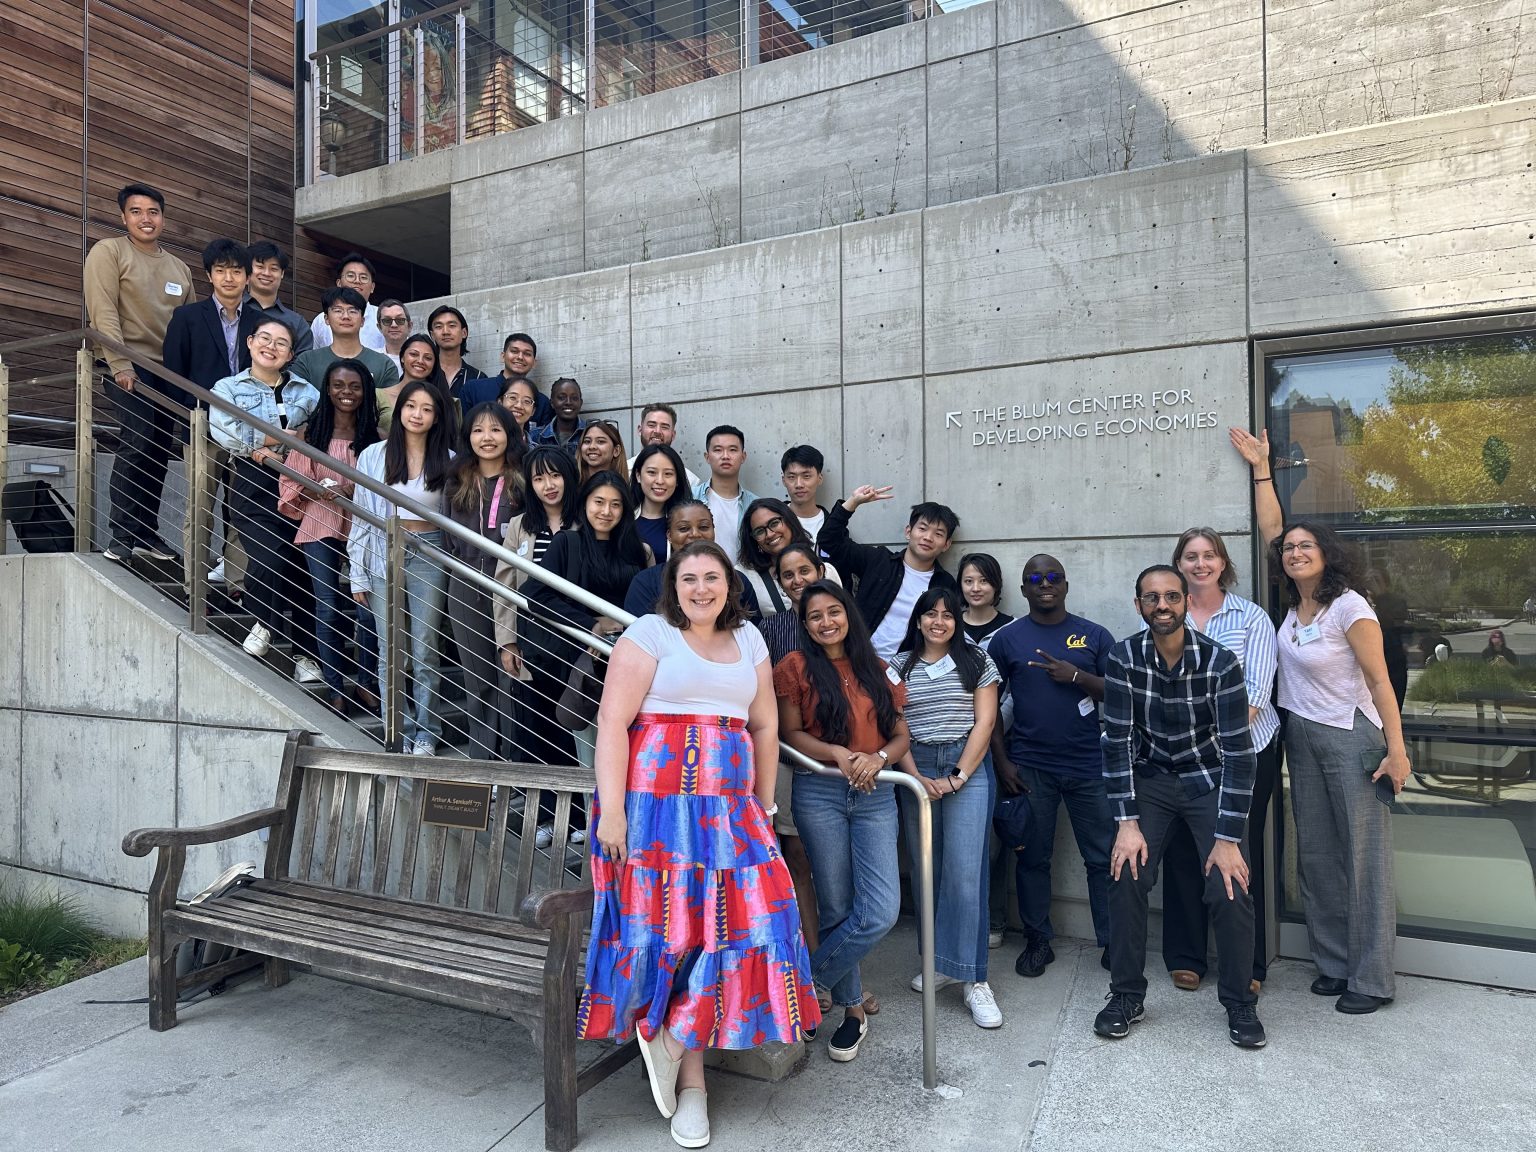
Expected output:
{"points": [[888, 583], [205, 342]]}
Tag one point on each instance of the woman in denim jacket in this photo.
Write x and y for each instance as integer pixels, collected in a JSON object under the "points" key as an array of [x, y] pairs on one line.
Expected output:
{"points": [[277, 577]]}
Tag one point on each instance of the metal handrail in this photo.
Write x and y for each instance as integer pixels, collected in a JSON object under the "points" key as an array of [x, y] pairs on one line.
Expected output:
{"points": [[572, 591], [397, 26]]}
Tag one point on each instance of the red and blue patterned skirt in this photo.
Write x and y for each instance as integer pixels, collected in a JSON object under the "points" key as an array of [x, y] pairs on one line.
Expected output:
{"points": [[697, 930]]}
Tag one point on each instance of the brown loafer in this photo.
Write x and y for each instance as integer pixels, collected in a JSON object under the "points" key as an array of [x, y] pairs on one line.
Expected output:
{"points": [[1185, 980]]}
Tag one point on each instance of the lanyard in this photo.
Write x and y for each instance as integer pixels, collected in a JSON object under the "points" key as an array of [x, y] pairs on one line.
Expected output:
{"points": [[501, 483]]}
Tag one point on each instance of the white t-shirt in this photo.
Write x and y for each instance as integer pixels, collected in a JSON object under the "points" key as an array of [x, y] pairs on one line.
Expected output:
{"points": [[812, 524], [727, 513], [893, 628], [685, 683], [1321, 679]]}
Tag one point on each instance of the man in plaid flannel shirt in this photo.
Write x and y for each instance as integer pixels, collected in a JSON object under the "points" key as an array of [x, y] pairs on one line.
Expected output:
{"points": [[1177, 748]]}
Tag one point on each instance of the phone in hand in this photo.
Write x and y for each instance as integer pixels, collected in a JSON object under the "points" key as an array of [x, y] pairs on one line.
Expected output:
{"points": [[1371, 760]]}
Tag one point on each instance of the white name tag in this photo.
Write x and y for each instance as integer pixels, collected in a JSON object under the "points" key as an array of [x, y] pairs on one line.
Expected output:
{"points": [[942, 668], [172, 288], [1085, 706], [890, 674], [1305, 634]]}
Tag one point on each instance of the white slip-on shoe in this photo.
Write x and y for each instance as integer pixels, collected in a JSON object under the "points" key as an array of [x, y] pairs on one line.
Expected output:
{"points": [[661, 1069], [306, 671], [258, 640], [690, 1123], [983, 1005], [939, 981]]}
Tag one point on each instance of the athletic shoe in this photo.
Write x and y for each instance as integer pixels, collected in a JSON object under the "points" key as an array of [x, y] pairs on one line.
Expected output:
{"points": [[306, 671], [259, 640], [216, 573], [578, 835], [983, 1005], [690, 1123], [545, 836], [1115, 1019], [426, 746], [939, 981], [844, 1045], [1243, 1027], [995, 938], [1036, 955], [116, 552], [661, 1069], [154, 550]]}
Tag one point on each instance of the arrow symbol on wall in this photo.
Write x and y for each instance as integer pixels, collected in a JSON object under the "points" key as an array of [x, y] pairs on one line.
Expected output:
{"points": [[951, 419]]}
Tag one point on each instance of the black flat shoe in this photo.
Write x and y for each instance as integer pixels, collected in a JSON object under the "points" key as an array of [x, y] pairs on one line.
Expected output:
{"points": [[1329, 986], [1360, 1004]]}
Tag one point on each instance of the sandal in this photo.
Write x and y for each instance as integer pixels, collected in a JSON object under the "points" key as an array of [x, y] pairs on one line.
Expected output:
{"points": [[870, 1005], [823, 999]]}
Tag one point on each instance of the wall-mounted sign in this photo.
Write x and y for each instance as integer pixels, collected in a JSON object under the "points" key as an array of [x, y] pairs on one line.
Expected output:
{"points": [[1084, 417], [449, 804]]}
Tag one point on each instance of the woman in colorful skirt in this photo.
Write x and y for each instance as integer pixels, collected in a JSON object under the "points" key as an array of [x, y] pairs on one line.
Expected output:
{"points": [[696, 940]]}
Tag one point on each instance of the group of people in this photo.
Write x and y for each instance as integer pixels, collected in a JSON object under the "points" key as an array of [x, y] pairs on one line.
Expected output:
{"points": [[736, 897]]}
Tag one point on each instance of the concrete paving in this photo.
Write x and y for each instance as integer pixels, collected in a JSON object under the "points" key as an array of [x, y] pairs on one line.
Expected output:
{"points": [[322, 1065]]}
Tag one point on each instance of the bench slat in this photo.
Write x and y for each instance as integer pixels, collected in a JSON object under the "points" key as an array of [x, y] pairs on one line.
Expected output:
{"points": [[552, 778], [555, 878], [523, 873], [333, 826], [478, 923], [386, 836], [437, 851], [312, 785], [362, 809], [496, 849], [469, 848], [411, 835]]}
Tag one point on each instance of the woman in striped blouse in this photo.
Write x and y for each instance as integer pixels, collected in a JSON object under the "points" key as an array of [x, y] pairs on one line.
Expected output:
{"points": [[1243, 628]]}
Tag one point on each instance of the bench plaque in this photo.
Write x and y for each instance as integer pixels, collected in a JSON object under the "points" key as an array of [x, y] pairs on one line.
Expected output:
{"points": [[449, 804]]}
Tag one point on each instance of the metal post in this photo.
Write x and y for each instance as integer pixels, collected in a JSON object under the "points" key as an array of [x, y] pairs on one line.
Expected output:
{"points": [[392, 84], [200, 516], [419, 77], [591, 30], [394, 638], [85, 449], [751, 21], [925, 934], [459, 36], [5, 435]]}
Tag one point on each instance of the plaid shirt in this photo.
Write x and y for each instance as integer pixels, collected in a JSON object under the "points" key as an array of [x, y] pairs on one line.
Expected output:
{"points": [[1191, 720]]}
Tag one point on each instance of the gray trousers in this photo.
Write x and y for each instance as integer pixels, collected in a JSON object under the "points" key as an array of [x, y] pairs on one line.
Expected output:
{"points": [[487, 689], [1344, 853]]}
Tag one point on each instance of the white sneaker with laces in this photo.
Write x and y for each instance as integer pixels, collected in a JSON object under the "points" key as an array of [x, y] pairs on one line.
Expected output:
{"points": [[216, 573], [425, 747], [578, 835], [259, 640], [545, 836], [939, 981], [306, 671], [983, 1005]]}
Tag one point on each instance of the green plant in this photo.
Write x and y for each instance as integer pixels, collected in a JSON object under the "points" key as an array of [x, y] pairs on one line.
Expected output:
{"points": [[50, 925], [18, 968], [1445, 682]]}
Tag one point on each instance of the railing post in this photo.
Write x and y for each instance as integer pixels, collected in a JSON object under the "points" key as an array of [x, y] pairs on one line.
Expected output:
{"points": [[394, 633], [459, 36], [419, 79], [925, 938], [200, 515], [85, 449], [5, 435], [751, 21], [591, 47]]}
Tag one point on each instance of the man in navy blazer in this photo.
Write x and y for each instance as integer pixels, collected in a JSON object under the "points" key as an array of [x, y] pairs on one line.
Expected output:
{"points": [[205, 342]]}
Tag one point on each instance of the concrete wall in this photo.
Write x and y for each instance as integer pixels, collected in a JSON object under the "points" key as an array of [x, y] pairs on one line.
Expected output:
{"points": [[114, 717]]}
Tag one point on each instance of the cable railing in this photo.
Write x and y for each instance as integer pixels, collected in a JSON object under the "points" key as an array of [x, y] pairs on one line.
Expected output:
{"points": [[473, 68], [411, 667]]}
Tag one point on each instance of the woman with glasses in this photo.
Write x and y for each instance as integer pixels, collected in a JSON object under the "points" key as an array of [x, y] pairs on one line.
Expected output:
{"points": [[768, 527], [1346, 758], [521, 398], [1243, 628]]}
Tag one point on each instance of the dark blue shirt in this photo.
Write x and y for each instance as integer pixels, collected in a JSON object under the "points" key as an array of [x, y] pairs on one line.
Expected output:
{"points": [[488, 388], [1049, 730]]}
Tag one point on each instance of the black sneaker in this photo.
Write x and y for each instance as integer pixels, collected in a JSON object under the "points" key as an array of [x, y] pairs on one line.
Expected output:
{"points": [[1243, 1027], [154, 549], [116, 552], [1036, 955], [1115, 1019], [844, 1045]]}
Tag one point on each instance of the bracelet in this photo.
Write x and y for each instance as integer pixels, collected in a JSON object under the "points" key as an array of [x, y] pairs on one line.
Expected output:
{"points": [[1074, 672], [1264, 480], [771, 812]]}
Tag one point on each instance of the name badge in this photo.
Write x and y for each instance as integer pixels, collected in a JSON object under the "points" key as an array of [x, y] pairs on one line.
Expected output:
{"points": [[172, 288], [942, 668], [890, 674], [1308, 633], [1085, 706]]}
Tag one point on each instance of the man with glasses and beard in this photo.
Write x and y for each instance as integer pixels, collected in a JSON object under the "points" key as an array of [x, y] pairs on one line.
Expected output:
{"points": [[1177, 749], [1053, 665]]}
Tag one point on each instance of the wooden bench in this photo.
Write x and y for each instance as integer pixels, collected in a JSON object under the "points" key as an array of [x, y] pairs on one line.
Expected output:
{"points": [[358, 881]]}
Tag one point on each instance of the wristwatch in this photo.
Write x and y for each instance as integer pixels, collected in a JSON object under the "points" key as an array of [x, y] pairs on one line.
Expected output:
{"points": [[883, 756]]}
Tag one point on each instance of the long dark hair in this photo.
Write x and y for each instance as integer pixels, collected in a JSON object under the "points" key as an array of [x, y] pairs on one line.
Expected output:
{"points": [[438, 458], [1341, 564], [321, 429], [987, 568], [611, 563], [751, 552], [968, 658], [611, 430], [827, 684], [680, 492], [464, 485], [419, 338], [546, 460]]}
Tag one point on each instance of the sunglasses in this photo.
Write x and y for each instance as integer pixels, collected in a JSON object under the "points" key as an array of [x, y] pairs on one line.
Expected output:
{"points": [[1036, 579], [1150, 599]]}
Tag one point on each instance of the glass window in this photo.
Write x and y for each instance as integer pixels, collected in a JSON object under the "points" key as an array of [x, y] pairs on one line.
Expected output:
{"points": [[1423, 456]]}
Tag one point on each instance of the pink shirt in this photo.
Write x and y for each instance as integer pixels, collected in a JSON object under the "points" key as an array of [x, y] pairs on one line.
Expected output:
{"points": [[1322, 680], [318, 519]]}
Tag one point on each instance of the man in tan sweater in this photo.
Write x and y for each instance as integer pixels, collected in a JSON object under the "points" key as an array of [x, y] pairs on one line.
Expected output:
{"points": [[132, 285]]}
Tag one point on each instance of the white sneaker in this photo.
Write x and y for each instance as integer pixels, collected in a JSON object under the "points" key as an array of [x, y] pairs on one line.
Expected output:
{"points": [[690, 1123], [983, 1005], [995, 938], [426, 746], [306, 671], [259, 640], [939, 981], [545, 836], [216, 573], [578, 835]]}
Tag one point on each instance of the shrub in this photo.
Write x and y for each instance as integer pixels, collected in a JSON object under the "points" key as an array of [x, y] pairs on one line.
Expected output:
{"points": [[18, 968], [49, 925], [1445, 682]]}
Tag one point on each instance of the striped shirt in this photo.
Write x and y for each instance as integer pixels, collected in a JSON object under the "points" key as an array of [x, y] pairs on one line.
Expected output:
{"points": [[1190, 720], [1244, 629], [939, 709]]}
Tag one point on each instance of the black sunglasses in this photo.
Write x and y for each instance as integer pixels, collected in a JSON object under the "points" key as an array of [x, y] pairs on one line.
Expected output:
{"points": [[1039, 578]]}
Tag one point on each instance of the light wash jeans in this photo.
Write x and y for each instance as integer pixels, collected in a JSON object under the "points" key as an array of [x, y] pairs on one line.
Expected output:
{"points": [[850, 838], [960, 873], [426, 591]]}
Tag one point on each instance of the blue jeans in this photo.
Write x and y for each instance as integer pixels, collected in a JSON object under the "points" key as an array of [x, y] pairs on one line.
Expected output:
{"points": [[426, 591], [338, 618], [1094, 826], [850, 839], [960, 882]]}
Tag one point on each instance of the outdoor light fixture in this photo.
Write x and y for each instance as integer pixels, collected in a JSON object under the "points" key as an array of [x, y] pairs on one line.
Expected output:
{"points": [[333, 134]]}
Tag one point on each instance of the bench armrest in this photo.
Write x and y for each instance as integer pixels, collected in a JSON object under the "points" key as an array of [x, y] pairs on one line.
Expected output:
{"points": [[544, 909], [142, 841]]}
